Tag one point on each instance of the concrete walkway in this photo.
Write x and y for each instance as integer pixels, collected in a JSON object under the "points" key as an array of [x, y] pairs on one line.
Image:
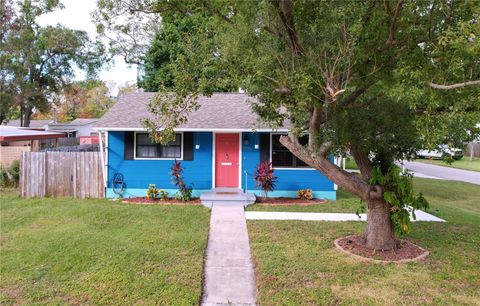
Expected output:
{"points": [[445, 173], [308, 216], [229, 273]]}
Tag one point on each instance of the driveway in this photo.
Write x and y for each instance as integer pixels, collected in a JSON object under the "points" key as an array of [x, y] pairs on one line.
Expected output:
{"points": [[444, 172]]}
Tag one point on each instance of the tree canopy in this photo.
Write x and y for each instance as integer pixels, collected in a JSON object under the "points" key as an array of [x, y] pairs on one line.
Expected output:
{"points": [[161, 45], [38, 61], [129, 27], [80, 99], [168, 47], [378, 80]]}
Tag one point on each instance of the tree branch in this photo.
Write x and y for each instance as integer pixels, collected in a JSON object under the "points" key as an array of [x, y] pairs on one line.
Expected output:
{"points": [[393, 27], [453, 86], [316, 120], [342, 178], [355, 94], [363, 162], [285, 11], [281, 89]]}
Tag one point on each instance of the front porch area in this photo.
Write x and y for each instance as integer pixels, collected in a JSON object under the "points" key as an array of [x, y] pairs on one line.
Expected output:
{"points": [[228, 196]]}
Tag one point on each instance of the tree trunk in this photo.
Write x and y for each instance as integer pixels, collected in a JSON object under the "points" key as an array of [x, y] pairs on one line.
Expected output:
{"points": [[379, 234], [27, 115]]}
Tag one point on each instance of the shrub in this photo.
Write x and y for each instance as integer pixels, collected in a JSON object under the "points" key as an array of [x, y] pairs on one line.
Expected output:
{"points": [[152, 192], [184, 196], [305, 194], [4, 181], [265, 178], [184, 192], [163, 194], [10, 176]]}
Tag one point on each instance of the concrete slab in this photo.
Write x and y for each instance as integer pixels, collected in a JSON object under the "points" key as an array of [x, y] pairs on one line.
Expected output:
{"points": [[229, 286], [273, 215], [227, 196], [229, 271]]}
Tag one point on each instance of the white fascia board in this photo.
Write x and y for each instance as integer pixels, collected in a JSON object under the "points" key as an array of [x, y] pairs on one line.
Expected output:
{"points": [[192, 130]]}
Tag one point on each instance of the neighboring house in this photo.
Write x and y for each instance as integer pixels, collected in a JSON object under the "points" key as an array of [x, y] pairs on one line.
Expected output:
{"points": [[14, 141], [220, 147], [81, 127]]}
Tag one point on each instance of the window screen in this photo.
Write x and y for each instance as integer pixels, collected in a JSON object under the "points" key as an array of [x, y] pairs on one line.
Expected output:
{"points": [[146, 148]]}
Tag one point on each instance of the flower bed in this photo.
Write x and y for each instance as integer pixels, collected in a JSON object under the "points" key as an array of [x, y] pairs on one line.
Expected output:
{"points": [[282, 201], [405, 252], [168, 201]]}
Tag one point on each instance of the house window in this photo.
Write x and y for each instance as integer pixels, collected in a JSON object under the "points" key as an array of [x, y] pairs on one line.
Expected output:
{"points": [[146, 148], [282, 157]]}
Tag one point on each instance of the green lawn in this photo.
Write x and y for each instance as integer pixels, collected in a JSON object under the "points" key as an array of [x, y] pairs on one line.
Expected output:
{"points": [[463, 163], [63, 251], [350, 164], [296, 262]]}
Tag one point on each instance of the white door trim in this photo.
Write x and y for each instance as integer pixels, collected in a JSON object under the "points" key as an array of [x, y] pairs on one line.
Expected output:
{"points": [[214, 161]]}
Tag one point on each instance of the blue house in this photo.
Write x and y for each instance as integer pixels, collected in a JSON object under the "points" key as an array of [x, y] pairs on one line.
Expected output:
{"points": [[219, 147]]}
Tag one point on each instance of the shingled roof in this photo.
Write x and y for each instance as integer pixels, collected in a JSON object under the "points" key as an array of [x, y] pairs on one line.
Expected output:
{"points": [[221, 111]]}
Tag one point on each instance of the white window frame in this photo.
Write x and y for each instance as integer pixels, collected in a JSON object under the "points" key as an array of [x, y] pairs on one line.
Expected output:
{"points": [[284, 168], [155, 158]]}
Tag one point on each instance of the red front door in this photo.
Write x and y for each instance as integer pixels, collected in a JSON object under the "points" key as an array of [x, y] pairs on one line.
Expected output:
{"points": [[226, 160]]}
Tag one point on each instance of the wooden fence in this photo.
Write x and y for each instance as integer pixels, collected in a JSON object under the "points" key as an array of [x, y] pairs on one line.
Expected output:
{"points": [[61, 174]]}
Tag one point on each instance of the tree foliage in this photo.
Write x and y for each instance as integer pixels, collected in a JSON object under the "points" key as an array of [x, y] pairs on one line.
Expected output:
{"points": [[356, 78], [7, 93], [167, 47], [82, 99], [129, 26], [37, 61]]}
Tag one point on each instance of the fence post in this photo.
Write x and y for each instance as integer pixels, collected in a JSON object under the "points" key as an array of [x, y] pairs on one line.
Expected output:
{"points": [[21, 174], [45, 174]]}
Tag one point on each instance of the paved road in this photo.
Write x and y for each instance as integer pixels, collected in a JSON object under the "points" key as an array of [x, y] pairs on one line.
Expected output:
{"points": [[444, 172], [229, 273]]}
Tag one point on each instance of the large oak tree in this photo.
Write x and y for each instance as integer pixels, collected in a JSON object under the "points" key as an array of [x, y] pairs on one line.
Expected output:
{"points": [[375, 79], [38, 61]]}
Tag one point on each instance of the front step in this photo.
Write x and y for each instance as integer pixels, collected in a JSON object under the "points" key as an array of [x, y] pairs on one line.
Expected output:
{"points": [[227, 196]]}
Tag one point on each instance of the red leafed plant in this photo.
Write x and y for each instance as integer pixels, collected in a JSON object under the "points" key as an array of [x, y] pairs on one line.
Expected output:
{"points": [[185, 193], [265, 177]]}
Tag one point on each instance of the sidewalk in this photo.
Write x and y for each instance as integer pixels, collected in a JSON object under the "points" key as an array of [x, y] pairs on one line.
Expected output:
{"points": [[229, 271], [309, 216]]}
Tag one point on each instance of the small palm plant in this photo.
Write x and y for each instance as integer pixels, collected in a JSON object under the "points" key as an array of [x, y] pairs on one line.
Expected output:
{"points": [[265, 178]]}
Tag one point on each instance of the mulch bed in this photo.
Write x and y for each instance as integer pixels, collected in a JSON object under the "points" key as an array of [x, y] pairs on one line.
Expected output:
{"points": [[405, 252], [281, 201], [169, 201]]}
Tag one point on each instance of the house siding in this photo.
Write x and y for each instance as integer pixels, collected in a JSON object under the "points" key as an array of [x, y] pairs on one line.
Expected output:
{"points": [[138, 174], [289, 180]]}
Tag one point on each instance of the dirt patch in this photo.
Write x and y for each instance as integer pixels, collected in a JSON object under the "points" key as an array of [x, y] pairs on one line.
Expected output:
{"points": [[14, 294], [405, 252], [281, 201], [169, 201]]}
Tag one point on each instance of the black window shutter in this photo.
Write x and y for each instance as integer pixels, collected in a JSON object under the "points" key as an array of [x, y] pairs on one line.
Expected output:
{"points": [[129, 145], [264, 147], [188, 146]]}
